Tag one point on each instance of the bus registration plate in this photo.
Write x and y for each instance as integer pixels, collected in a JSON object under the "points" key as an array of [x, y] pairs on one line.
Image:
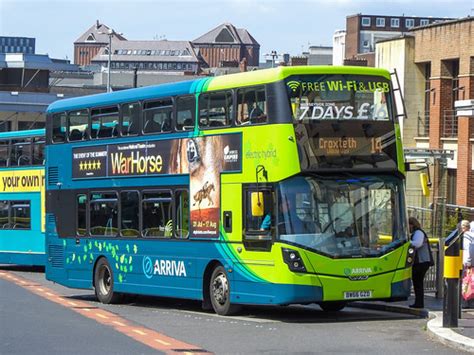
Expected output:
{"points": [[348, 295]]}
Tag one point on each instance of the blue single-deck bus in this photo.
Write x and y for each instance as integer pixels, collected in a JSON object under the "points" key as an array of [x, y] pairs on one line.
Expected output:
{"points": [[275, 186], [22, 198]]}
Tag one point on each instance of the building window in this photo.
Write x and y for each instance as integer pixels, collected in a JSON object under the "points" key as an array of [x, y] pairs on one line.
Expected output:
{"points": [[366, 21], [380, 22], [395, 22], [366, 44], [409, 22], [424, 22]]}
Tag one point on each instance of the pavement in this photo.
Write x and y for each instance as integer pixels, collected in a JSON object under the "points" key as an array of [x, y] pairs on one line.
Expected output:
{"points": [[461, 338]]}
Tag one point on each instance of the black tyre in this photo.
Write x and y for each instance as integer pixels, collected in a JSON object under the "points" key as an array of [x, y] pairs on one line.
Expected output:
{"points": [[219, 291], [104, 283], [333, 306]]}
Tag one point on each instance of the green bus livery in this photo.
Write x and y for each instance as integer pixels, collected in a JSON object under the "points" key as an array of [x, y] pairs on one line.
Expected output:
{"points": [[275, 186]]}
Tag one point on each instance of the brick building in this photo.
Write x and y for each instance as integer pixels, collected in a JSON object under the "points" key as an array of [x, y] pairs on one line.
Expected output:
{"points": [[90, 43], [435, 64], [363, 31], [225, 44]]}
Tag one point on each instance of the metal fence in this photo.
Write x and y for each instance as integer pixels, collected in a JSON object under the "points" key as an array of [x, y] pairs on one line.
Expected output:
{"points": [[439, 227]]}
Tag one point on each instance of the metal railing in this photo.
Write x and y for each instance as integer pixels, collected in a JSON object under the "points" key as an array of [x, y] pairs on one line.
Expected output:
{"points": [[426, 216], [423, 124], [450, 124]]}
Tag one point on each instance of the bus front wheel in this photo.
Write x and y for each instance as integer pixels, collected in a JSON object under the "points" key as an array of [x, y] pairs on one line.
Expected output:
{"points": [[219, 290], [104, 283], [333, 306]]}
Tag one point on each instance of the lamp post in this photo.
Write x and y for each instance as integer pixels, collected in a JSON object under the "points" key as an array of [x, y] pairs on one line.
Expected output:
{"points": [[110, 33], [274, 55]]}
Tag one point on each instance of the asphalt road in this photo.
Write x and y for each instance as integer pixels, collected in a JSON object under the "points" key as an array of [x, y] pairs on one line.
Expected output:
{"points": [[29, 323]]}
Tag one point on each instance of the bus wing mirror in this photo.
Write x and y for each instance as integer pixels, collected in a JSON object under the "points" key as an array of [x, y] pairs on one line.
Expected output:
{"points": [[257, 204]]}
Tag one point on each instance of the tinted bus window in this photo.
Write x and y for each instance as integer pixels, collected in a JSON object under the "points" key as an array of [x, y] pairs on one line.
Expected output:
{"points": [[130, 119], [81, 208], [182, 214], [4, 153], [251, 106], [215, 109], [105, 122], [38, 151], [20, 152], [77, 123], [104, 214], [59, 128], [158, 116], [20, 215], [185, 109], [4, 224], [156, 214], [130, 207]]}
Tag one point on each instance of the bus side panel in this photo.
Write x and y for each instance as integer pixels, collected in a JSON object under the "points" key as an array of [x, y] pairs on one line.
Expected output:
{"points": [[24, 246]]}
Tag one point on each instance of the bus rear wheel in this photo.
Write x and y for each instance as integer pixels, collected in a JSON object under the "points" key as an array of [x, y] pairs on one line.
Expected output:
{"points": [[104, 283], [219, 291], [333, 306]]}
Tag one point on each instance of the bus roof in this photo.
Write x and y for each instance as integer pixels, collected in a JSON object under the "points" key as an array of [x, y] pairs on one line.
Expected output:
{"points": [[113, 98], [257, 77], [22, 134]]}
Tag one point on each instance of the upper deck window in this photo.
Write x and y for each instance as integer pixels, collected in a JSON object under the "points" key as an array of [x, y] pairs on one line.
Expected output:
{"points": [[339, 97], [77, 125], [38, 151], [105, 122], [20, 153], [215, 109], [130, 119], [59, 128], [251, 106], [185, 113], [158, 116], [4, 157]]}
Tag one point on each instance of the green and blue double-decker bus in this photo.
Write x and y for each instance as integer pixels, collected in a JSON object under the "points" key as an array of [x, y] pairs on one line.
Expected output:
{"points": [[22, 198], [276, 186]]}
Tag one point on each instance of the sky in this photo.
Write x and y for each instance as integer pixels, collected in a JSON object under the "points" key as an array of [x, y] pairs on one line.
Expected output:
{"points": [[286, 26]]}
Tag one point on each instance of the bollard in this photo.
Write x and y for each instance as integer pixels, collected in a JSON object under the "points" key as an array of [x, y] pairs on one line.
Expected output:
{"points": [[452, 272]]}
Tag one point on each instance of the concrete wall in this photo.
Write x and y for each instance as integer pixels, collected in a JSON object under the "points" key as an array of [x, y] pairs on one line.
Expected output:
{"points": [[399, 54]]}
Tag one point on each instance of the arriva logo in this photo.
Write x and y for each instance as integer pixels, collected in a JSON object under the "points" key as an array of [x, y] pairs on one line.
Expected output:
{"points": [[163, 268], [293, 85], [147, 267], [169, 268], [361, 270]]}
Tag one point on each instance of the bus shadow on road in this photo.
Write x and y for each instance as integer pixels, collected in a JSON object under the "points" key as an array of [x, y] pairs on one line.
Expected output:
{"points": [[22, 268], [286, 314]]}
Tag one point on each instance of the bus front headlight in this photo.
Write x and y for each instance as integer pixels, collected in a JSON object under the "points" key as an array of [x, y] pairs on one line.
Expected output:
{"points": [[410, 257], [293, 259]]}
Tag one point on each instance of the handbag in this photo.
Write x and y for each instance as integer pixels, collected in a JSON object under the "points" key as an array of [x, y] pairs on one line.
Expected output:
{"points": [[467, 288]]}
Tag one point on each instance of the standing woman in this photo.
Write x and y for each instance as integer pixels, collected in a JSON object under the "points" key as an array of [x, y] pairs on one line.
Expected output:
{"points": [[422, 262]]}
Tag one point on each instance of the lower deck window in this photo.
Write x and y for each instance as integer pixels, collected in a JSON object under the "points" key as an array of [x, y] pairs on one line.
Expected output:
{"points": [[157, 217], [15, 215], [104, 214]]}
